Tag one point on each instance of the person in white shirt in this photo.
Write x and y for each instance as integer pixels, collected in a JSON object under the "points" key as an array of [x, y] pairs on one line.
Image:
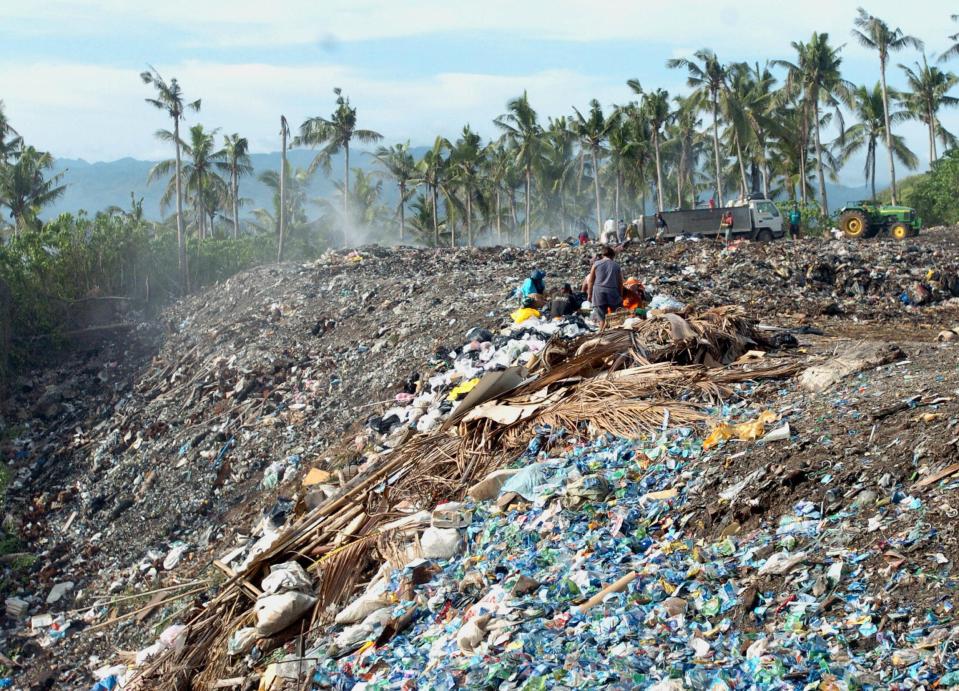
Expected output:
{"points": [[609, 232]]}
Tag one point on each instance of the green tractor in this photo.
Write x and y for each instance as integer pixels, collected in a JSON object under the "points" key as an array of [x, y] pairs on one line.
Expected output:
{"points": [[866, 219]]}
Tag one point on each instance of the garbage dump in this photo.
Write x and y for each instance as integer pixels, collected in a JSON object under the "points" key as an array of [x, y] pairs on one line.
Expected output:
{"points": [[378, 422]]}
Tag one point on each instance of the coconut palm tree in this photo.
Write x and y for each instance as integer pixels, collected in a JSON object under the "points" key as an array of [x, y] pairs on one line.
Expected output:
{"points": [[872, 32], [521, 126], [686, 138], [236, 150], [707, 77], [592, 132], [865, 134], [9, 138], [397, 163], [816, 76], [432, 170], [169, 99], [753, 109], [466, 158], [25, 189], [334, 134], [558, 166], [291, 205], [655, 107], [953, 50], [930, 87], [284, 170], [202, 182]]}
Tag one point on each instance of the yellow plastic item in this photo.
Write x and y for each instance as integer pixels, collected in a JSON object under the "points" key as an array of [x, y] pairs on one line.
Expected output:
{"points": [[744, 431], [524, 313], [463, 389]]}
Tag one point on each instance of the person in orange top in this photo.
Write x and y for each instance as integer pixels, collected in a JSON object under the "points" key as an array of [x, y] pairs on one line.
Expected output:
{"points": [[633, 294]]}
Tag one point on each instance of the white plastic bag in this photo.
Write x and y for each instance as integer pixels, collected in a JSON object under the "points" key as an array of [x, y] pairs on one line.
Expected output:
{"points": [[441, 543], [287, 576], [275, 612]]}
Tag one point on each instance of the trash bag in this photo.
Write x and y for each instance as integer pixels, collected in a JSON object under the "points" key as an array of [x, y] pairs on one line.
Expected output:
{"points": [[242, 640], [373, 599], [275, 612], [590, 488], [441, 543], [285, 577]]}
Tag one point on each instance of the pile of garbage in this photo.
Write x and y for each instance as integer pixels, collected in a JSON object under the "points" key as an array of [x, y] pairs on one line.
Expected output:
{"points": [[312, 414], [621, 381]]}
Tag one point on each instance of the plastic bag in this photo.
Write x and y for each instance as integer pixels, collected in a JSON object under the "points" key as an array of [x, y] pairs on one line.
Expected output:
{"points": [[275, 612], [242, 640], [287, 576], [441, 543]]}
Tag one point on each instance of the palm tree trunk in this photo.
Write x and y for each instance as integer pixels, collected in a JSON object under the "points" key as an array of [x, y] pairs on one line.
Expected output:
{"points": [[402, 211], [659, 172], [742, 167], [499, 219], [819, 166], [469, 217], [872, 175], [512, 211], [885, 116], [346, 193], [436, 223], [618, 215], [931, 119], [803, 148], [719, 174], [679, 178], [282, 209], [765, 170], [180, 237], [599, 215], [529, 201], [235, 185]]}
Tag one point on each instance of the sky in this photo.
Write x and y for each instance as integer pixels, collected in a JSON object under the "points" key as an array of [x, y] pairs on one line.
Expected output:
{"points": [[414, 69]]}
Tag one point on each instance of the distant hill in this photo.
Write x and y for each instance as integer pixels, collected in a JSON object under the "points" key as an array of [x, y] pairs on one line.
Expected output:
{"points": [[96, 186]]}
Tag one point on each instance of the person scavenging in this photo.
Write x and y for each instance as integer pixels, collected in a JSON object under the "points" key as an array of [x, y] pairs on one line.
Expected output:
{"points": [[534, 288], [726, 225], [661, 226], [565, 303], [604, 285]]}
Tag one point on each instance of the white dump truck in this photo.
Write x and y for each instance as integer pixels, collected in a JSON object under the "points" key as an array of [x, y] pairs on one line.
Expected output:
{"points": [[753, 219]]}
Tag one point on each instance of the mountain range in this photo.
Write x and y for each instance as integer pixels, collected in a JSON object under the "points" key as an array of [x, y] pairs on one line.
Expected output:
{"points": [[96, 186]]}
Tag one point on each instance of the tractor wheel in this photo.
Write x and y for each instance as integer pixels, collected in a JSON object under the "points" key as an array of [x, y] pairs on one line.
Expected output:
{"points": [[899, 231], [854, 225]]}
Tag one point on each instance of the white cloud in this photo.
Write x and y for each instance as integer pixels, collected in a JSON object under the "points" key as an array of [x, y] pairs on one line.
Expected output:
{"points": [[729, 26], [99, 113]]}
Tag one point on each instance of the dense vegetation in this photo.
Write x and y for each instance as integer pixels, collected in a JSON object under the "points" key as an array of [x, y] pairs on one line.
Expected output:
{"points": [[782, 128]]}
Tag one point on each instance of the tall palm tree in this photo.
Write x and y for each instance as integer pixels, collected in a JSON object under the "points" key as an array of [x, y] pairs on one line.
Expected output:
{"points": [[865, 134], [817, 76], [202, 181], [432, 170], [236, 150], [592, 132], [930, 88], [335, 134], [872, 32], [281, 191], [707, 77], [465, 159], [169, 99], [25, 189], [397, 162], [7, 146], [655, 106], [754, 108], [685, 136], [521, 126], [291, 205]]}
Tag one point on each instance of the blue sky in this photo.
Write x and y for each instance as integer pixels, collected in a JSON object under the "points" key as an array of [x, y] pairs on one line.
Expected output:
{"points": [[68, 68]]}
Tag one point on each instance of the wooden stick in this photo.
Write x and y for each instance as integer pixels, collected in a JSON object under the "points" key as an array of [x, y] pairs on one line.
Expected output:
{"points": [[611, 588]]}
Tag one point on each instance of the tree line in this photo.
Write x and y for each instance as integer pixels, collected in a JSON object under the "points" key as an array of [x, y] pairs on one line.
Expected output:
{"points": [[741, 128]]}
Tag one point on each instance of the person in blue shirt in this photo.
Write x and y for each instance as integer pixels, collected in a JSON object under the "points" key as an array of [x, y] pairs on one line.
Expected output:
{"points": [[534, 287], [795, 217]]}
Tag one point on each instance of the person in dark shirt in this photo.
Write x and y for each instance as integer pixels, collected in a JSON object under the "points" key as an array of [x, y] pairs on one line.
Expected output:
{"points": [[565, 304], [604, 285]]}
